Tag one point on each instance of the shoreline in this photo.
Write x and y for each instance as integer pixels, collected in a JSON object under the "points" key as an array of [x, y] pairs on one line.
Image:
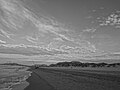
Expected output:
{"points": [[22, 84], [17, 86], [38, 83]]}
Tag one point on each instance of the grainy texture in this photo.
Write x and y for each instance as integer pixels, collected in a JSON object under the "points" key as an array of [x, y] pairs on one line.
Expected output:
{"points": [[74, 80], [12, 75], [38, 83]]}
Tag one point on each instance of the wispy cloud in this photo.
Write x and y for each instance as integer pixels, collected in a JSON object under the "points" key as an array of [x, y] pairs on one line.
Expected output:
{"points": [[44, 24], [89, 30], [31, 39], [5, 34], [3, 42], [16, 15], [58, 39], [13, 15]]}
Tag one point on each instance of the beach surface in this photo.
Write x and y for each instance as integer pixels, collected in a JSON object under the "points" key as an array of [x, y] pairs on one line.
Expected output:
{"points": [[20, 86], [38, 83], [72, 79], [13, 77]]}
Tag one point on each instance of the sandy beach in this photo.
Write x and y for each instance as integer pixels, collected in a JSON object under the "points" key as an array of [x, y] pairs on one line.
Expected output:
{"points": [[60, 79], [38, 83], [13, 77], [20, 86]]}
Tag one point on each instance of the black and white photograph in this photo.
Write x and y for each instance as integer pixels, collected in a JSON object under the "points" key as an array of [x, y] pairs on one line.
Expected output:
{"points": [[59, 44]]}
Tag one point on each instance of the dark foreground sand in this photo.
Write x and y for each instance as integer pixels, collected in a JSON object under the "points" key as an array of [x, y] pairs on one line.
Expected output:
{"points": [[51, 79], [38, 83]]}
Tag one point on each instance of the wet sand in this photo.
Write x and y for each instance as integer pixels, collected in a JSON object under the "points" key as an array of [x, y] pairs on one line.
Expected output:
{"points": [[51, 79], [38, 83]]}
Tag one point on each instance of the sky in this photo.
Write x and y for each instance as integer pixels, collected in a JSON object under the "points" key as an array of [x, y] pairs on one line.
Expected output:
{"points": [[85, 17], [59, 27]]}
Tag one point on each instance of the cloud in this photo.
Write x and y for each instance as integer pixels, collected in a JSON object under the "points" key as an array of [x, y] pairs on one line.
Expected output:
{"points": [[31, 39], [12, 14], [19, 45], [5, 34], [3, 42], [112, 20], [21, 50], [77, 50], [16, 15], [90, 30], [58, 39], [65, 47], [101, 36], [86, 45], [48, 28], [29, 50], [6, 4]]}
